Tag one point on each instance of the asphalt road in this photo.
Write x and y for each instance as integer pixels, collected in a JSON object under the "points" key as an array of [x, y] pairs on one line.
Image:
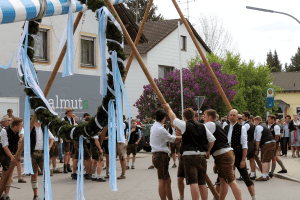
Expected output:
{"points": [[142, 184]]}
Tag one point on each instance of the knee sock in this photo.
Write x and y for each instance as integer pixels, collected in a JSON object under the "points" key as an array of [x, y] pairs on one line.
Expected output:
{"points": [[127, 164], [273, 167], [34, 184], [253, 197], [252, 174], [264, 175], [132, 163], [281, 164], [98, 176]]}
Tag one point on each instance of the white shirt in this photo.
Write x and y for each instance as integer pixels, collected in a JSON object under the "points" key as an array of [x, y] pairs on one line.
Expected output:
{"points": [[243, 136], [258, 134], [276, 129], [211, 126], [159, 137], [182, 126], [40, 138], [247, 126], [4, 138], [224, 124], [70, 121]]}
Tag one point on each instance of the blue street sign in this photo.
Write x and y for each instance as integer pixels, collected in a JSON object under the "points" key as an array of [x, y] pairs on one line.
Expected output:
{"points": [[270, 102]]}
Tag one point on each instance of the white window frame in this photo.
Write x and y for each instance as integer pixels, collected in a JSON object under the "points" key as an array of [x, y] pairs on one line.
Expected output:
{"points": [[164, 67], [183, 44], [90, 38], [48, 48]]}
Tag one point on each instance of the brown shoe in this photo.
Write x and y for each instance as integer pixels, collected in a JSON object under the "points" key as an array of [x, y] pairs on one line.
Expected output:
{"points": [[151, 167], [21, 180], [268, 177], [122, 176], [57, 171], [261, 179]]}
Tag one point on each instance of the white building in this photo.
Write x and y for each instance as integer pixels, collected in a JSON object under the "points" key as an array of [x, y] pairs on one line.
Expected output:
{"points": [[160, 54]]}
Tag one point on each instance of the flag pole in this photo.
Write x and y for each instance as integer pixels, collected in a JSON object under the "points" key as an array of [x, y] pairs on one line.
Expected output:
{"points": [[181, 84]]}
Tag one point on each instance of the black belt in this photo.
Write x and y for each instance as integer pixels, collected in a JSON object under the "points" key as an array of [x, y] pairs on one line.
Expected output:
{"points": [[39, 151]]}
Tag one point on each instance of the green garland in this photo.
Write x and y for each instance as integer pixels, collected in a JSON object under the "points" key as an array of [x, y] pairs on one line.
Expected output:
{"points": [[46, 117]]}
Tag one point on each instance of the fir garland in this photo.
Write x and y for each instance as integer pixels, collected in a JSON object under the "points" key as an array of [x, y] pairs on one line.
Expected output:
{"points": [[61, 128]]}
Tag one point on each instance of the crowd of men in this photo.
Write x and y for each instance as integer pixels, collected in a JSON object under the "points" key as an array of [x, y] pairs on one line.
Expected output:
{"points": [[230, 142], [12, 134]]}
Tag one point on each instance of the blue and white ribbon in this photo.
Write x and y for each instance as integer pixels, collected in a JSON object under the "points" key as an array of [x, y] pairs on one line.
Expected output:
{"points": [[112, 145], [103, 15], [21, 10], [46, 174], [9, 64], [27, 150], [27, 71], [119, 90], [69, 64], [80, 175]]}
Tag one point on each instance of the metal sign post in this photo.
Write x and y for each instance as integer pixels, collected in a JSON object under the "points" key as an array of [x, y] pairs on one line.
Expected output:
{"points": [[199, 101], [270, 100]]}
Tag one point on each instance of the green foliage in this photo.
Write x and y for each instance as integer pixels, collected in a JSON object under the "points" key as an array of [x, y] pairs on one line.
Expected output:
{"points": [[142, 6], [254, 80], [273, 62], [61, 128], [295, 63]]}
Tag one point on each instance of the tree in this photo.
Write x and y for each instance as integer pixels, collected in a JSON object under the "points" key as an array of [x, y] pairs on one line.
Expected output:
{"points": [[295, 63], [196, 82], [142, 5], [253, 82], [273, 62], [215, 35]]}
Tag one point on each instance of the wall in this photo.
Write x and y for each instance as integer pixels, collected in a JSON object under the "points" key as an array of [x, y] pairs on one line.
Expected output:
{"points": [[292, 98], [165, 53]]}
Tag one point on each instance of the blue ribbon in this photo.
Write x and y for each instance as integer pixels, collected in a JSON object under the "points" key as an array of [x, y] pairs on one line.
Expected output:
{"points": [[46, 174], [27, 157], [9, 64], [69, 68], [119, 89], [80, 176], [112, 145]]}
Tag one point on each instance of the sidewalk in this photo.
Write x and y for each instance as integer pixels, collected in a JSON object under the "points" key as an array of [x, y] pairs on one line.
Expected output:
{"points": [[292, 165]]}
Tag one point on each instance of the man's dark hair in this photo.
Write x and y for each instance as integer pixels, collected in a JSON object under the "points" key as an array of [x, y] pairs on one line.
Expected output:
{"points": [[196, 114], [124, 117], [189, 114], [16, 122], [86, 115], [247, 114], [160, 114], [289, 116], [272, 117], [212, 113], [87, 118], [9, 110]]}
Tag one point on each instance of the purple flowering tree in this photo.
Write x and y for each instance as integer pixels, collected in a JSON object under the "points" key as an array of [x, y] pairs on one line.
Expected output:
{"points": [[196, 82]]}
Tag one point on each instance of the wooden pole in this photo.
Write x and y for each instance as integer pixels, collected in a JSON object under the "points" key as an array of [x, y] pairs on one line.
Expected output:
{"points": [[138, 37], [136, 54], [149, 77], [215, 79], [4, 179]]}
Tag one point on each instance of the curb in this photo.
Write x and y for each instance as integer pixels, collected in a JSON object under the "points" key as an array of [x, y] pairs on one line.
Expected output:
{"points": [[286, 177]]}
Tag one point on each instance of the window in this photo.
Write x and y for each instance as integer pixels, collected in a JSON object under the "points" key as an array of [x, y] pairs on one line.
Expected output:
{"points": [[183, 43], [42, 45], [297, 110], [164, 70], [88, 51]]}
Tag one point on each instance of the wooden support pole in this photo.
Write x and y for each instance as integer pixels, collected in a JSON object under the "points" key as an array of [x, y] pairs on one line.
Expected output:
{"points": [[215, 79], [33, 120], [149, 77], [136, 54], [138, 37]]}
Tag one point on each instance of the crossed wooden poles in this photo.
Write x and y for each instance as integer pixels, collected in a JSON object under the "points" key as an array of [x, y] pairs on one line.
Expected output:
{"points": [[134, 52]]}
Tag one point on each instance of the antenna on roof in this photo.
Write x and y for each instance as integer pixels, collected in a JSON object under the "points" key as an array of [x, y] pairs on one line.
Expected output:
{"points": [[188, 7]]}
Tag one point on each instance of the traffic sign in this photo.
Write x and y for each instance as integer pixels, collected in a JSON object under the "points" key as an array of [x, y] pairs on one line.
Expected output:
{"points": [[270, 98]]}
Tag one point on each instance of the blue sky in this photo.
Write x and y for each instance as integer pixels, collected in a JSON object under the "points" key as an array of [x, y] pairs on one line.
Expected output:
{"points": [[254, 32]]}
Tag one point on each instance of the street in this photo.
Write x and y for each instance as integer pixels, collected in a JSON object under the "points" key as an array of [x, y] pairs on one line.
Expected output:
{"points": [[142, 183]]}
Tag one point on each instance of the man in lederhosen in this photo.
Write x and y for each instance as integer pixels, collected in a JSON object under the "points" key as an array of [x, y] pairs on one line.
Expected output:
{"points": [[68, 145], [197, 142], [37, 153], [275, 130], [251, 143], [266, 142], [223, 155], [10, 137], [134, 139], [237, 139]]}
